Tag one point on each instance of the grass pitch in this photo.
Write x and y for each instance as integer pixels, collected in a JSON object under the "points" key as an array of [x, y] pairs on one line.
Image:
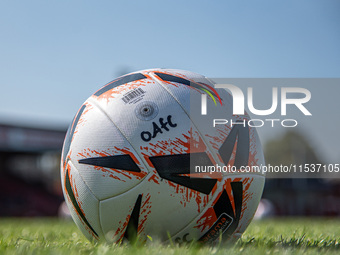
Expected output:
{"points": [[274, 236]]}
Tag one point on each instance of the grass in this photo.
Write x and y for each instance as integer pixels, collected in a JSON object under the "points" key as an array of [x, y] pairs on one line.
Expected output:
{"points": [[274, 236]]}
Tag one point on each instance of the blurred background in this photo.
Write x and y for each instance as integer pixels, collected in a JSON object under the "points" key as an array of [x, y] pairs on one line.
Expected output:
{"points": [[55, 54]]}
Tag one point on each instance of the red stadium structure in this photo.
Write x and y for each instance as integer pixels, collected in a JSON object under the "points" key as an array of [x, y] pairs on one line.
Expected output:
{"points": [[29, 171]]}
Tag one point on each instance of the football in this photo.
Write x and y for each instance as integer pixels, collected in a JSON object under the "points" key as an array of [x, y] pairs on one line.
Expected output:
{"points": [[141, 160]]}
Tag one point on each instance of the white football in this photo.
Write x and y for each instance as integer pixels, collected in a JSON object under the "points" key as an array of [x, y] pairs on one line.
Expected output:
{"points": [[135, 157]]}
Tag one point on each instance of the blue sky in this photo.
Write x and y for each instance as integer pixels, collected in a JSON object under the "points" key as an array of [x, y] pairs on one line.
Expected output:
{"points": [[54, 54]]}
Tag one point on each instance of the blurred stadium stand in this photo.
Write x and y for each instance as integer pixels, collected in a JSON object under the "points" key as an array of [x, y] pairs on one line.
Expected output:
{"points": [[317, 195], [303, 197], [29, 171]]}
